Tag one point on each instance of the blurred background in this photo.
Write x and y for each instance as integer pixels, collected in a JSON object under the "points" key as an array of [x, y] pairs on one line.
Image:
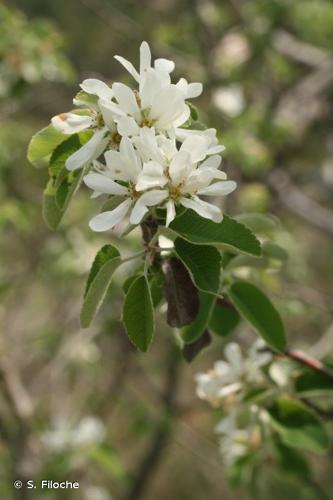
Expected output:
{"points": [[81, 404]]}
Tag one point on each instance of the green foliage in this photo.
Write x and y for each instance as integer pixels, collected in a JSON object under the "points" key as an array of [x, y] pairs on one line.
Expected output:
{"points": [[106, 262], [203, 263], [313, 383], [224, 318], [297, 426], [138, 314], [52, 215], [229, 233], [42, 145], [62, 151], [30, 50], [258, 310], [192, 332], [257, 222]]}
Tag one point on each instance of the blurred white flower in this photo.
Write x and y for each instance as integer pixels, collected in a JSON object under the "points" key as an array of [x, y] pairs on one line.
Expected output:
{"points": [[96, 493], [236, 442], [231, 376], [65, 434], [230, 100]]}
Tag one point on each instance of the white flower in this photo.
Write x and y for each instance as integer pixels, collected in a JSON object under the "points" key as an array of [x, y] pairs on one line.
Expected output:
{"points": [[162, 68], [97, 118], [185, 173], [236, 442], [157, 103], [231, 376], [124, 165], [66, 434]]}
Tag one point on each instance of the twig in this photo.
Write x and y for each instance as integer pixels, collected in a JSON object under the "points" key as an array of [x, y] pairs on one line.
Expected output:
{"points": [[299, 203], [163, 432], [312, 363], [300, 51]]}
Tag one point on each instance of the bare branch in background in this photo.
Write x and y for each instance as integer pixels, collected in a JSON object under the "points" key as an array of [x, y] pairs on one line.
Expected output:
{"points": [[300, 51], [298, 202]]}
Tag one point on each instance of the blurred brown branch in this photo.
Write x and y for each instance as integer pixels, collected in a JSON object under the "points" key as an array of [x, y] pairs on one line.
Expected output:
{"points": [[163, 432], [298, 202]]}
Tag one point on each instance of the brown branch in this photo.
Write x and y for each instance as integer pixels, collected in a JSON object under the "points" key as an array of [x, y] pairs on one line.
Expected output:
{"points": [[162, 435], [312, 363], [300, 51], [298, 202]]}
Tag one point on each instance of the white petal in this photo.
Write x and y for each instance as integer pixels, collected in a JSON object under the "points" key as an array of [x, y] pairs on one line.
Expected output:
{"points": [[130, 159], [211, 161], [90, 151], [112, 107], [233, 355], [103, 184], [150, 85], [129, 67], [127, 126], [196, 146], [114, 164], [194, 90], [202, 208], [164, 65], [168, 104], [138, 212], [97, 87], [107, 113], [154, 197], [126, 99], [145, 58], [180, 167], [151, 176], [171, 212], [219, 188], [216, 150], [183, 117], [107, 220], [147, 145], [71, 123]]}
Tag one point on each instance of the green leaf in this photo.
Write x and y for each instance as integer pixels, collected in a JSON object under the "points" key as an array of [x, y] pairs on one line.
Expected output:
{"points": [[180, 293], [68, 188], [64, 151], [194, 111], [258, 310], [297, 426], [157, 283], [291, 461], [52, 215], [42, 145], [106, 262], [257, 222], [229, 233], [138, 314], [274, 251], [224, 318], [203, 264], [106, 253], [193, 331], [313, 383]]}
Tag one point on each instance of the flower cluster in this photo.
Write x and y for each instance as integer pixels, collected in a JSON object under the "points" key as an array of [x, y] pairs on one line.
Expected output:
{"points": [[228, 385], [141, 148]]}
